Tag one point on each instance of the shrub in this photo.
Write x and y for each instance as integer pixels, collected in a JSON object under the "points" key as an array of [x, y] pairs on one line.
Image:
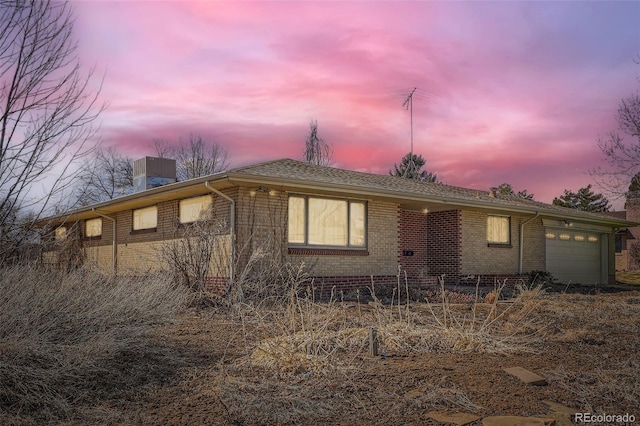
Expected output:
{"points": [[68, 339]]}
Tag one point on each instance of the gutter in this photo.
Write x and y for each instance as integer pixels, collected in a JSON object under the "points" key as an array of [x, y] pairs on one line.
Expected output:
{"points": [[114, 249], [522, 240], [232, 215]]}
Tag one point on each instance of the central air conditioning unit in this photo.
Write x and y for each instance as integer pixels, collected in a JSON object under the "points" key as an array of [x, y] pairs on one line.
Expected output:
{"points": [[151, 172]]}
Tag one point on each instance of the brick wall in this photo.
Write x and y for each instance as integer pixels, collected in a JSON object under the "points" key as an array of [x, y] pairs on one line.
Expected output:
{"points": [[444, 244], [480, 258], [534, 249], [141, 251], [412, 243]]}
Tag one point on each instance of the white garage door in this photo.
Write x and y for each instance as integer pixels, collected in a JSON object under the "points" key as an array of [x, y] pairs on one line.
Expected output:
{"points": [[574, 256]]}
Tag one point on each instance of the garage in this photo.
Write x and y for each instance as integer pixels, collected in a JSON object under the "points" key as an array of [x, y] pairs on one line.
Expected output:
{"points": [[574, 255]]}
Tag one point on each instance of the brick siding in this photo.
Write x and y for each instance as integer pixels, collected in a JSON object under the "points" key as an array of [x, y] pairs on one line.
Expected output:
{"points": [[450, 243], [412, 243], [444, 245], [480, 258]]}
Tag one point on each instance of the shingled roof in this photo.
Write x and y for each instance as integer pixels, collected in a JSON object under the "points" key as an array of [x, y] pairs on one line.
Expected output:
{"points": [[297, 172], [294, 175]]}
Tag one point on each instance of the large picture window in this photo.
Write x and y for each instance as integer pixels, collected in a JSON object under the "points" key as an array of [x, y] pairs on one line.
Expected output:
{"points": [[194, 209], [326, 222], [146, 218], [498, 229]]}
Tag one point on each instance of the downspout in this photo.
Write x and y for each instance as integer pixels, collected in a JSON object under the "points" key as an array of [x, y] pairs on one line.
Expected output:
{"points": [[522, 241], [232, 230], [114, 249]]}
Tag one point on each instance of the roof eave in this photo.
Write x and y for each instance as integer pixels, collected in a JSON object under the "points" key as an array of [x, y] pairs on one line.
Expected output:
{"points": [[400, 196]]}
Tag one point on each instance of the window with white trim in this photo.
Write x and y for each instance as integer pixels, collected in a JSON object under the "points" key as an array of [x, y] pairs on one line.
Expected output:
{"points": [[498, 229], [327, 222], [93, 227], [146, 218], [195, 209]]}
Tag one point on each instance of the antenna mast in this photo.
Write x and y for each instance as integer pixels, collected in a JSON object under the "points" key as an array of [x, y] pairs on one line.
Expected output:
{"points": [[408, 104]]}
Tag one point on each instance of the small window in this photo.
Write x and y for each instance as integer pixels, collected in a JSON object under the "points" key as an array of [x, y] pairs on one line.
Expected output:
{"points": [[93, 227], [564, 237], [61, 233], [594, 239], [146, 218], [618, 243], [550, 235], [194, 209], [498, 229], [327, 222], [578, 237]]}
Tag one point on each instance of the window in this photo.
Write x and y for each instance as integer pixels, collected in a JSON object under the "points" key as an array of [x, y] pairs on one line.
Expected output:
{"points": [[93, 227], [550, 235], [146, 218], [61, 233], [578, 237], [594, 239], [498, 229], [565, 237], [194, 209], [317, 221], [618, 243]]}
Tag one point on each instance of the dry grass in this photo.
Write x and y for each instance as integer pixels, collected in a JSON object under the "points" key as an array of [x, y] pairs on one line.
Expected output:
{"points": [[616, 383], [308, 336], [71, 339]]}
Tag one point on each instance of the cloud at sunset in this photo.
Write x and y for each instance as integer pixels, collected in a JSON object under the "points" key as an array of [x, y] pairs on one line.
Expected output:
{"points": [[507, 92]]}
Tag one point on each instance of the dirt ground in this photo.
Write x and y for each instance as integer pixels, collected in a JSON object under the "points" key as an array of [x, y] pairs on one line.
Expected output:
{"points": [[586, 346]]}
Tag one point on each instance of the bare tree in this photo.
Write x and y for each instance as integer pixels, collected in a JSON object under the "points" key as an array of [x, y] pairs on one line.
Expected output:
{"points": [[621, 148], [108, 176], [199, 158], [47, 107], [316, 150]]}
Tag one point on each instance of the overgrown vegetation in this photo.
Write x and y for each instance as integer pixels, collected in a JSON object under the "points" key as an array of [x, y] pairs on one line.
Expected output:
{"points": [[73, 344], [311, 336], [70, 339]]}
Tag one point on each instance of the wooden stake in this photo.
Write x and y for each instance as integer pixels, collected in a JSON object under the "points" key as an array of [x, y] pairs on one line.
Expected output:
{"points": [[373, 342]]}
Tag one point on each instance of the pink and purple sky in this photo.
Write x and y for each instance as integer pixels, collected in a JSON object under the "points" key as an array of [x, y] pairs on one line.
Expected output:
{"points": [[514, 92]]}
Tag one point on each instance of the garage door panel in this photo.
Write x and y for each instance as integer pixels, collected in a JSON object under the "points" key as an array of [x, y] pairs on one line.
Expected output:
{"points": [[573, 256]]}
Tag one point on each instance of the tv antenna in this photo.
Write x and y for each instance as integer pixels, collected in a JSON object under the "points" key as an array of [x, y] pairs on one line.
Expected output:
{"points": [[408, 104]]}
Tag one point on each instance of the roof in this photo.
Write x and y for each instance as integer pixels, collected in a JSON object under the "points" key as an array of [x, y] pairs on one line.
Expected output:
{"points": [[292, 175], [399, 188]]}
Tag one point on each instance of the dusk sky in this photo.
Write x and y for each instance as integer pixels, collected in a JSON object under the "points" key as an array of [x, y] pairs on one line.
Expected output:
{"points": [[514, 92]]}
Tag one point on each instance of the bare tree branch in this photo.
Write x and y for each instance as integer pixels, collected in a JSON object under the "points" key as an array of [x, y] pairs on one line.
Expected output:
{"points": [[47, 108], [621, 150], [199, 158], [316, 150], [108, 176]]}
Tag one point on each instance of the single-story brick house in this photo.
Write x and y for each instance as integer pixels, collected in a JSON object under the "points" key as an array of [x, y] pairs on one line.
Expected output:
{"points": [[350, 227]]}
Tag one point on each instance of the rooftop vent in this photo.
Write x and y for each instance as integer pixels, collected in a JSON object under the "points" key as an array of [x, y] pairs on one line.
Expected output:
{"points": [[151, 172], [493, 191]]}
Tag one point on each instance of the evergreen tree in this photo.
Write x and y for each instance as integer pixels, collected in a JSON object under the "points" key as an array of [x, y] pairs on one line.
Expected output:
{"points": [[410, 168], [585, 199], [634, 186], [507, 189]]}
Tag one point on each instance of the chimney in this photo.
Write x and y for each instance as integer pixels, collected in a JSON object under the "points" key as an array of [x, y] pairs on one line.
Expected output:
{"points": [[493, 191], [151, 172]]}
